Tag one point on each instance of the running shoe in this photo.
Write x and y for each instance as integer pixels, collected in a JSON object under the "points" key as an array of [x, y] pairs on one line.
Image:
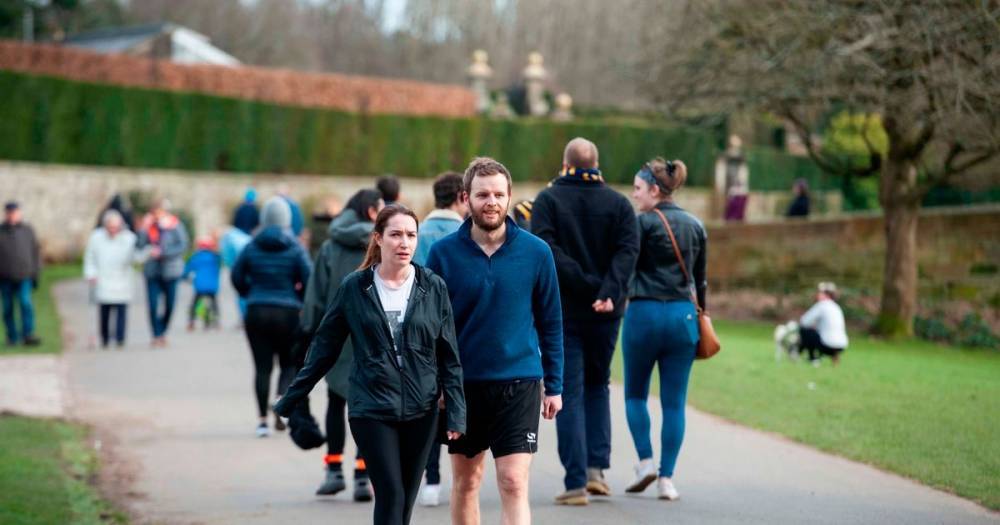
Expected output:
{"points": [[262, 430], [573, 497], [596, 485], [333, 483], [666, 490], [645, 474], [279, 423], [430, 496], [362, 489]]}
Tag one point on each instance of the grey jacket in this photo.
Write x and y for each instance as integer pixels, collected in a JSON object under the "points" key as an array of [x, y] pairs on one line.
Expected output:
{"points": [[173, 244], [19, 254], [339, 255], [658, 274]]}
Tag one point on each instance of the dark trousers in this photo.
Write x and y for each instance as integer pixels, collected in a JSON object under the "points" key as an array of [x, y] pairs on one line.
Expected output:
{"points": [[105, 323], [271, 331], [336, 429], [211, 304], [395, 453], [584, 423], [155, 287], [811, 343], [434, 457], [21, 291]]}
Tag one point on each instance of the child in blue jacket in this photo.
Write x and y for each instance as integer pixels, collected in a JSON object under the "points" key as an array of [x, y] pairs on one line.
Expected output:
{"points": [[204, 264]]}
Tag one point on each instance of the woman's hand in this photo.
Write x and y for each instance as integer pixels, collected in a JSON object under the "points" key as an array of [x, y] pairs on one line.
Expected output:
{"points": [[452, 435]]}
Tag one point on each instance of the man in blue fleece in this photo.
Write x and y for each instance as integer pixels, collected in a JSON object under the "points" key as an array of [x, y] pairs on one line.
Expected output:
{"points": [[505, 297]]}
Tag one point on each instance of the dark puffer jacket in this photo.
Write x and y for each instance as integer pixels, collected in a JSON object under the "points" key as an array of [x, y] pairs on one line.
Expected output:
{"points": [[380, 388], [19, 253], [272, 270]]}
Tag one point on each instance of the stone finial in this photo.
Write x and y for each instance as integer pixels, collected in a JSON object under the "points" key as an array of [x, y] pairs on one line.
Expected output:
{"points": [[534, 77], [564, 107], [479, 73]]}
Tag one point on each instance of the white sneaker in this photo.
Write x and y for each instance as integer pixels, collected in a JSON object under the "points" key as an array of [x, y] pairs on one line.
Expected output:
{"points": [[666, 490], [645, 474], [263, 431], [430, 496]]}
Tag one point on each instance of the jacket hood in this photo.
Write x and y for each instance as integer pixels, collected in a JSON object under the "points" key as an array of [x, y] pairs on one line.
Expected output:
{"points": [[348, 230], [274, 239]]}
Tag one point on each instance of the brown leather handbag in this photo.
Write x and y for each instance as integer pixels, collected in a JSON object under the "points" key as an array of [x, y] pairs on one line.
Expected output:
{"points": [[708, 341]]}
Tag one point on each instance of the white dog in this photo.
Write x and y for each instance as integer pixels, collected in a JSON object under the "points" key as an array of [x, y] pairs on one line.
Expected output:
{"points": [[786, 341]]}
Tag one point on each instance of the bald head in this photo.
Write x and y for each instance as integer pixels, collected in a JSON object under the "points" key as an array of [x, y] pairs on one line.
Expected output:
{"points": [[580, 153]]}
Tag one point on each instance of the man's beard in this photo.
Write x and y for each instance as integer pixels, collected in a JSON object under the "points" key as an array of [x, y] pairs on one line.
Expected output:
{"points": [[479, 220]]}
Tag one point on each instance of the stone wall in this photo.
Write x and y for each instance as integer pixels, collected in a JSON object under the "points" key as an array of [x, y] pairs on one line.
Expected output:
{"points": [[62, 202], [342, 92]]}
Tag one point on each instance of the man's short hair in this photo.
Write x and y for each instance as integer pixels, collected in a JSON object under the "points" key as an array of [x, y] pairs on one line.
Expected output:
{"points": [[388, 185], [447, 188], [484, 167]]}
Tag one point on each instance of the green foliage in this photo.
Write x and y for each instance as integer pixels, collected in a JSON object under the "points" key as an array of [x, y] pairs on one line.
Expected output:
{"points": [[51, 120], [972, 331], [911, 407], [772, 170]]}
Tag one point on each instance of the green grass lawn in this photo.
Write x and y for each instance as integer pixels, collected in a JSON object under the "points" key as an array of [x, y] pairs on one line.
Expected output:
{"points": [[925, 411], [45, 473], [47, 324]]}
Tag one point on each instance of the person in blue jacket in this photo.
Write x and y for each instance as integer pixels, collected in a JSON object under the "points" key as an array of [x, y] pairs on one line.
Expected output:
{"points": [[505, 297], [204, 265]]}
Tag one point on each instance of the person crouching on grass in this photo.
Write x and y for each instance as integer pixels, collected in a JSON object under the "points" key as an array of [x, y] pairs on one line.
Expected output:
{"points": [[399, 318]]}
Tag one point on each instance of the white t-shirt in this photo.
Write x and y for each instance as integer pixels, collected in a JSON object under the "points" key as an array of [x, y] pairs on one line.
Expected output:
{"points": [[827, 318], [394, 301]]}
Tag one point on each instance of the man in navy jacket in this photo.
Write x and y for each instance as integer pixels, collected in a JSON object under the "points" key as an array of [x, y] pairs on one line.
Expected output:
{"points": [[505, 297], [592, 231]]}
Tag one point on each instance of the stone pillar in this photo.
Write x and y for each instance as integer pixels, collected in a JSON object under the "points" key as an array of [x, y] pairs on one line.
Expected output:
{"points": [[479, 73], [564, 108], [502, 107], [534, 78]]}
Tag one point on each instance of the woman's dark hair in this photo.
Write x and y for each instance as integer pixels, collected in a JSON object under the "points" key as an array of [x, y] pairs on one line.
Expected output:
{"points": [[374, 254], [670, 175], [361, 201]]}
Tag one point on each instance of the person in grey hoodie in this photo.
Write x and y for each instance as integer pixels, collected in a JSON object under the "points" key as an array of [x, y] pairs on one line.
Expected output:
{"points": [[271, 273], [20, 263], [340, 255], [163, 236]]}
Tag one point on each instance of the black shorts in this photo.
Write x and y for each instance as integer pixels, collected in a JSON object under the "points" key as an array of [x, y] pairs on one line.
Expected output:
{"points": [[502, 417]]}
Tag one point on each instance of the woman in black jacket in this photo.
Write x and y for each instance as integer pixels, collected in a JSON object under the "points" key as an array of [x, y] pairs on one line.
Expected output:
{"points": [[398, 316], [661, 321]]}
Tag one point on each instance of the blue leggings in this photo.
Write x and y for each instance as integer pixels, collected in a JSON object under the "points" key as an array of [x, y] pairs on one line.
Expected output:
{"points": [[665, 334]]}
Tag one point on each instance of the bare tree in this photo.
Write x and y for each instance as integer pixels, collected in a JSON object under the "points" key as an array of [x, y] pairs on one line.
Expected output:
{"points": [[929, 69]]}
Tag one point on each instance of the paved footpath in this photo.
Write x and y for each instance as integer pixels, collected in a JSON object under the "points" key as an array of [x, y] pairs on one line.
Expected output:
{"points": [[180, 421]]}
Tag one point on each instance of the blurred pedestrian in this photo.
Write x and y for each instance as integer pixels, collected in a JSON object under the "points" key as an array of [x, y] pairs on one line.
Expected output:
{"points": [[166, 238], [350, 233], [388, 185], [246, 217], [121, 205], [399, 317], [800, 204], [298, 221], [107, 266], [20, 265], [661, 321], [822, 330], [231, 245], [204, 266], [591, 229], [732, 178], [271, 274]]}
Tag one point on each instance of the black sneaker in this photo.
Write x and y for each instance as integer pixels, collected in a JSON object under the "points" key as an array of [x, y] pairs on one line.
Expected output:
{"points": [[30, 340], [333, 483], [362, 489]]}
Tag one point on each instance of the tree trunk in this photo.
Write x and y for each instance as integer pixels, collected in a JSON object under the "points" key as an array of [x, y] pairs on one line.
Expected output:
{"points": [[901, 208]]}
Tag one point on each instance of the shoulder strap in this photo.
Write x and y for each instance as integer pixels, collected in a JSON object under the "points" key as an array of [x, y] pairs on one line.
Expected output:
{"points": [[677, 250]]}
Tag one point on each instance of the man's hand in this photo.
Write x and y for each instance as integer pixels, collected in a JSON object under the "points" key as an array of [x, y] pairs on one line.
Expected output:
{"points": [[603, 305], [155, 252], [452, 435], [551, 405]]}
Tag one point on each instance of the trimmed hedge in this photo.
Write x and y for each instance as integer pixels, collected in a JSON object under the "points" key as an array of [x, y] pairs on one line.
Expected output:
{"points": [[46, 119]]}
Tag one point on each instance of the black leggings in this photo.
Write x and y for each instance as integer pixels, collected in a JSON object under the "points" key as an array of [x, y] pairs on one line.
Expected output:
{"points": [[336, 430], [395, 453], [811, 343], [105, 325], [271, 331]]}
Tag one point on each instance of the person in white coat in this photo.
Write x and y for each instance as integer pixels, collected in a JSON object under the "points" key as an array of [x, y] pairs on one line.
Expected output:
{"points": [[822, 329], [107, 265]]}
